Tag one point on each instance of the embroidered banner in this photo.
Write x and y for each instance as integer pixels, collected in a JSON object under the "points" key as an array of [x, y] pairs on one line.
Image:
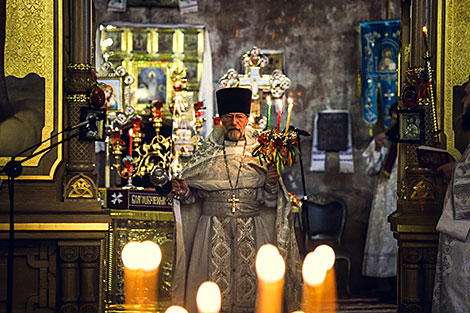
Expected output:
{"points": [[332, 132], [379, 55]]}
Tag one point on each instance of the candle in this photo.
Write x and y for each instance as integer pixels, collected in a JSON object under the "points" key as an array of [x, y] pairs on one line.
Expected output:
{"points": [[270, 268], [268, 114], [141, 261], [131, 133], [176, 309], [326, 257], [425, 34], [279, 112], [290, 105], [313, 274], [208, 298]]}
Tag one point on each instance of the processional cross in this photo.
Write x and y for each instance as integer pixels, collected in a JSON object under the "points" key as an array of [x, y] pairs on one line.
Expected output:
{"points": [[253, 62], [234, 200]]}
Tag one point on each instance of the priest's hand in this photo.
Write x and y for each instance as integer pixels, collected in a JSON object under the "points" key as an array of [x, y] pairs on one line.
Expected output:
{"points": [[380, 140], [180, 186], [272, 177], [446, 169]]}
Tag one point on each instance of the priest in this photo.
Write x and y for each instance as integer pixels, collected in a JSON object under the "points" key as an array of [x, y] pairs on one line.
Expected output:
{"points": [[230, 206], [452, 282]]}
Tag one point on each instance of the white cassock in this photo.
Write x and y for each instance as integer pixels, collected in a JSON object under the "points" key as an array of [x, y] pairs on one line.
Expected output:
{"points": [[452, 282], [380, 252]]}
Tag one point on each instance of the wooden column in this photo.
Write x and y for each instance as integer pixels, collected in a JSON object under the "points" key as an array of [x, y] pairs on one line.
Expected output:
{"points": [[420, 191], [80, 180]]}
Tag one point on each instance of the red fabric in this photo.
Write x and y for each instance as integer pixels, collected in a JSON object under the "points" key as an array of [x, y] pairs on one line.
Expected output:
{"points": [[390, 159]]}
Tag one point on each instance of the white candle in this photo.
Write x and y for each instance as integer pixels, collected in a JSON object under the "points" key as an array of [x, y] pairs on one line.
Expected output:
{"points": [[290, 106], [141, 261], [313, 274], [270, 268], [208, 298]]}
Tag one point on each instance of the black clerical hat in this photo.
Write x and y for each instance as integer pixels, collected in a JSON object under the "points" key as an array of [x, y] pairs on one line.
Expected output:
{"points": [[234, 100]]}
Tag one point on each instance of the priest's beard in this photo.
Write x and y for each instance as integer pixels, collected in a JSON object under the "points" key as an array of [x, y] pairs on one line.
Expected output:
{"points": [[233, 134]]}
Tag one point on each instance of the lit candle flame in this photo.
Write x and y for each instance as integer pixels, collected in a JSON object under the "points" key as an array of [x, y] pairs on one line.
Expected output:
{"points": [[326, 256], [176, 309], [313, 271], [425, 30], [208, 298], [270, 265], [270, 268]]}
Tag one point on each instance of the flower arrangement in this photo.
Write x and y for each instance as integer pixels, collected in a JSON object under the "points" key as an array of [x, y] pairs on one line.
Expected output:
{"points": [[279, 148]]}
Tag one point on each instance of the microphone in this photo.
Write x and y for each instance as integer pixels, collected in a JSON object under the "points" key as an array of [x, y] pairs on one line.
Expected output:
{"points": [[300, 131], [90, 128], [91, 125]]}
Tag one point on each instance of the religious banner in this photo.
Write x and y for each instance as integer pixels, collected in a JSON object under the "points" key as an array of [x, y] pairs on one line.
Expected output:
{"points": [[332, 133], [379, 55]]}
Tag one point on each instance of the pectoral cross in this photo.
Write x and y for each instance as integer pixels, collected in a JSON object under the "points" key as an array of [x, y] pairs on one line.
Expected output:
{"points": [[234, 201]]}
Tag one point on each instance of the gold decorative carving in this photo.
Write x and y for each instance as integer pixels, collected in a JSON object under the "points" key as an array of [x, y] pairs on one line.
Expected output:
{"points": [[406, 53], [422, 189], [33, 34], [79, 67], [80, 187], [83, 98], [402, 192], [455, 56]]}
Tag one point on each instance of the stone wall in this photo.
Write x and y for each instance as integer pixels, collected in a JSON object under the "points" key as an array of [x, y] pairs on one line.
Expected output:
{"points": [[320, 42]]}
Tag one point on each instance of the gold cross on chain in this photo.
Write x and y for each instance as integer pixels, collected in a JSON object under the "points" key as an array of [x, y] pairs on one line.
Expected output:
{"points": [[233, 200]]}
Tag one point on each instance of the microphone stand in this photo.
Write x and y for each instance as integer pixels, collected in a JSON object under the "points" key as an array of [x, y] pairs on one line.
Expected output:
{"points": [[13, 169]]}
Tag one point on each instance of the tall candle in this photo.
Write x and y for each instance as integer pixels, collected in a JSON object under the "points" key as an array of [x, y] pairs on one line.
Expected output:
{"points": [[425, 34], [279, 112], [313, 274], [208, 298], [326, 257], [141, 261], [268, 114], [290, 106], [131, 133], [270, 268]]}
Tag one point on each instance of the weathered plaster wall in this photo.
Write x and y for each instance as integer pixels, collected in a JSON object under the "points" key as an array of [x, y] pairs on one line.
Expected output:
{"points": [[320, 41]]}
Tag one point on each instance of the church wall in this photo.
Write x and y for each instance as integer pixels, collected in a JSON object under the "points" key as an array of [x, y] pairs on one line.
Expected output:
{"points": [[320, 41]]}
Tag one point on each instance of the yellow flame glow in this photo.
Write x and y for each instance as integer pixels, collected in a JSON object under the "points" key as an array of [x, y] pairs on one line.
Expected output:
{"points": [[141, 255], [176, 309], [270, 265], [326, 255], [313, 271], [208, 298]]}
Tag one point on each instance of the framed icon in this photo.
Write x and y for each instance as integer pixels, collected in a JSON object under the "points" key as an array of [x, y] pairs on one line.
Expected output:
{"points": [[113, 90], [411, 126]]}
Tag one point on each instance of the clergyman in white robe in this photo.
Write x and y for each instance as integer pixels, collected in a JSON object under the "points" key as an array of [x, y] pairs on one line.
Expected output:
{"points": [[452, 281]]}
